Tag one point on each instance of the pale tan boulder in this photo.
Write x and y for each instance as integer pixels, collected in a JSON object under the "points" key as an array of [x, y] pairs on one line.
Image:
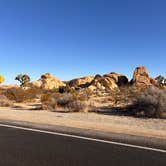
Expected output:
{"points": [[48, 82], [141, 77], [81, 81], [104, 83], [120, 79]]}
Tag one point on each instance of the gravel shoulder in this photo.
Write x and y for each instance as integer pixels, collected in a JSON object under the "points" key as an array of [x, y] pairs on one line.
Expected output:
{"points": [[154, 128]]}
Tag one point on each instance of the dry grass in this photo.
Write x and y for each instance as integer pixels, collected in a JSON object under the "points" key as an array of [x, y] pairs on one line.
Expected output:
{"points": [[151, 103], [66, 102], [22, 95], [5, 102]]}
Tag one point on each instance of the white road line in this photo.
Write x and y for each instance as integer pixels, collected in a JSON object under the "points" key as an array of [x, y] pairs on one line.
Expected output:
{"points": [[84, 138]]}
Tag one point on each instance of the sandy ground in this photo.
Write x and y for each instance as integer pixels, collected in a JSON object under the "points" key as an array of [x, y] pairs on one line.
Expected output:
{"points": [[101, 122]]}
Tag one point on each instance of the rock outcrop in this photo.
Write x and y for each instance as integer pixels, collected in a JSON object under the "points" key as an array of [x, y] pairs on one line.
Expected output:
{"points": [[48, 82], [103, 83], [141, 77], [120, 79], [81, 82]]}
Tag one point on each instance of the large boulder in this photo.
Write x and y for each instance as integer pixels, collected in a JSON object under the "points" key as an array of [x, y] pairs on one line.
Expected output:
{"points": [[48, 82], [120, 79], [81, 82], [103, 83], [141, 77]]}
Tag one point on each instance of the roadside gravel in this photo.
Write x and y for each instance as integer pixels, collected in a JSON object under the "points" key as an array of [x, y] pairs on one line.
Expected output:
{"points": [[101, 122]]}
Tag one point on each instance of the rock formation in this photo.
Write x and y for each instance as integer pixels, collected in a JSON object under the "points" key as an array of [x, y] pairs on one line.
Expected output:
{"points": [[81, 82], [141, 77], [48, 82], [103, 83], [120, 79]]}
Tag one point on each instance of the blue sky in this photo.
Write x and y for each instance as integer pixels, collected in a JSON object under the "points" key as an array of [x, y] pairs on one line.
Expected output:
{"points": [[73, 38]]}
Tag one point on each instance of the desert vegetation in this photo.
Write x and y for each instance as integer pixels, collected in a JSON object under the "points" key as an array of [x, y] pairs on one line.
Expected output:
{"points": [[151, 103], [143, 96], [5, 102], [23, 79], [19, 94], [66, 102]]}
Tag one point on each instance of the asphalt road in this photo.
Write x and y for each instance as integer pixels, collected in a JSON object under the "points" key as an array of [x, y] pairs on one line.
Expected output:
{"points": [[29, 148]]}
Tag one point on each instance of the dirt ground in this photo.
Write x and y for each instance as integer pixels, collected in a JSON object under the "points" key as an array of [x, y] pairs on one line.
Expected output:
{"points": [[101, 121]]}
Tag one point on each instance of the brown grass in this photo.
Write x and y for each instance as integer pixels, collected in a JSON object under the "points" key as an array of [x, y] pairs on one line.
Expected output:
{"points": [[22, 95], [5, 102], [65, 102], [151, 103]]}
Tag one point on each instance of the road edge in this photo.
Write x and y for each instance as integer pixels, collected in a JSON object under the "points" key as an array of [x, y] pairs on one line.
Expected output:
{"points": [[123, 138]]}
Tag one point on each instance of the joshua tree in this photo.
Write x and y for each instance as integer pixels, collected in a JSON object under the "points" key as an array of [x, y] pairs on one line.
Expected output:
{"points": [[161, 80], [2, 79], [23, 79]]}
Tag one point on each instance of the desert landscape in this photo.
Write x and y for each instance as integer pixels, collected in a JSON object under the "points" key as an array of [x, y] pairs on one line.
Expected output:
{"points": [[82, 83], [110, 102]]}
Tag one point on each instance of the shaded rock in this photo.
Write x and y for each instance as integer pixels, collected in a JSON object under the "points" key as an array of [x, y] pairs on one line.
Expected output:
{"points": [[120, 79]]}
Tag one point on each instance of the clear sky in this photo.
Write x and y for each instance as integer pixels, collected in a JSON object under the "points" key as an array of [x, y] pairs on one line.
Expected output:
{"points": [[73, 38]]}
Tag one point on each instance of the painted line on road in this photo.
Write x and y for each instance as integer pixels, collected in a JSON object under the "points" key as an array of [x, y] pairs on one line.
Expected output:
{"points": [[84, 138]]}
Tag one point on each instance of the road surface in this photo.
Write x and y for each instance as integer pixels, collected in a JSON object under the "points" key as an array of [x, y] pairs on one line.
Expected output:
{"points": [[20, 147]]}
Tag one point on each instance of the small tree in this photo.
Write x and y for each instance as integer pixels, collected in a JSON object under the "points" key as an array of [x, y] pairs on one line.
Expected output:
{"points": [[161, 80], [23, 79], [2, 79]]}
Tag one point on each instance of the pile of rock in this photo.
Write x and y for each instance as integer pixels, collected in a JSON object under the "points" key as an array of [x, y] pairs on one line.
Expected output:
{"points": [[120, 79], [107, 82], [48, 82], [141, 77], [81, 82]]}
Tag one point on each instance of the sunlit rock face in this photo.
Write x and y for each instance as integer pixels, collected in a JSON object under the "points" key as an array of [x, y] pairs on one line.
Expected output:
{"points": [[78, 82], [141, 77], [120, 79], [103, 83], [48, 82]]}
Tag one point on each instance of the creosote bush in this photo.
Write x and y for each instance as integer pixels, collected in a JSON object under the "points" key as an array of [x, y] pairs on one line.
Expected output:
{"points": [[68, 102], [124, 96], [151, 103], [22, 95], [5, 102]]}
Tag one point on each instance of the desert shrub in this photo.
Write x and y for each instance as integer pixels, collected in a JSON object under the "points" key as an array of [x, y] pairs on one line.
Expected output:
{"points": [[65, 99], [5, 102], [78, 106], [67, 102], [151, 103], [125, 95], [22, 95], [49, 101], [66, 89]]}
